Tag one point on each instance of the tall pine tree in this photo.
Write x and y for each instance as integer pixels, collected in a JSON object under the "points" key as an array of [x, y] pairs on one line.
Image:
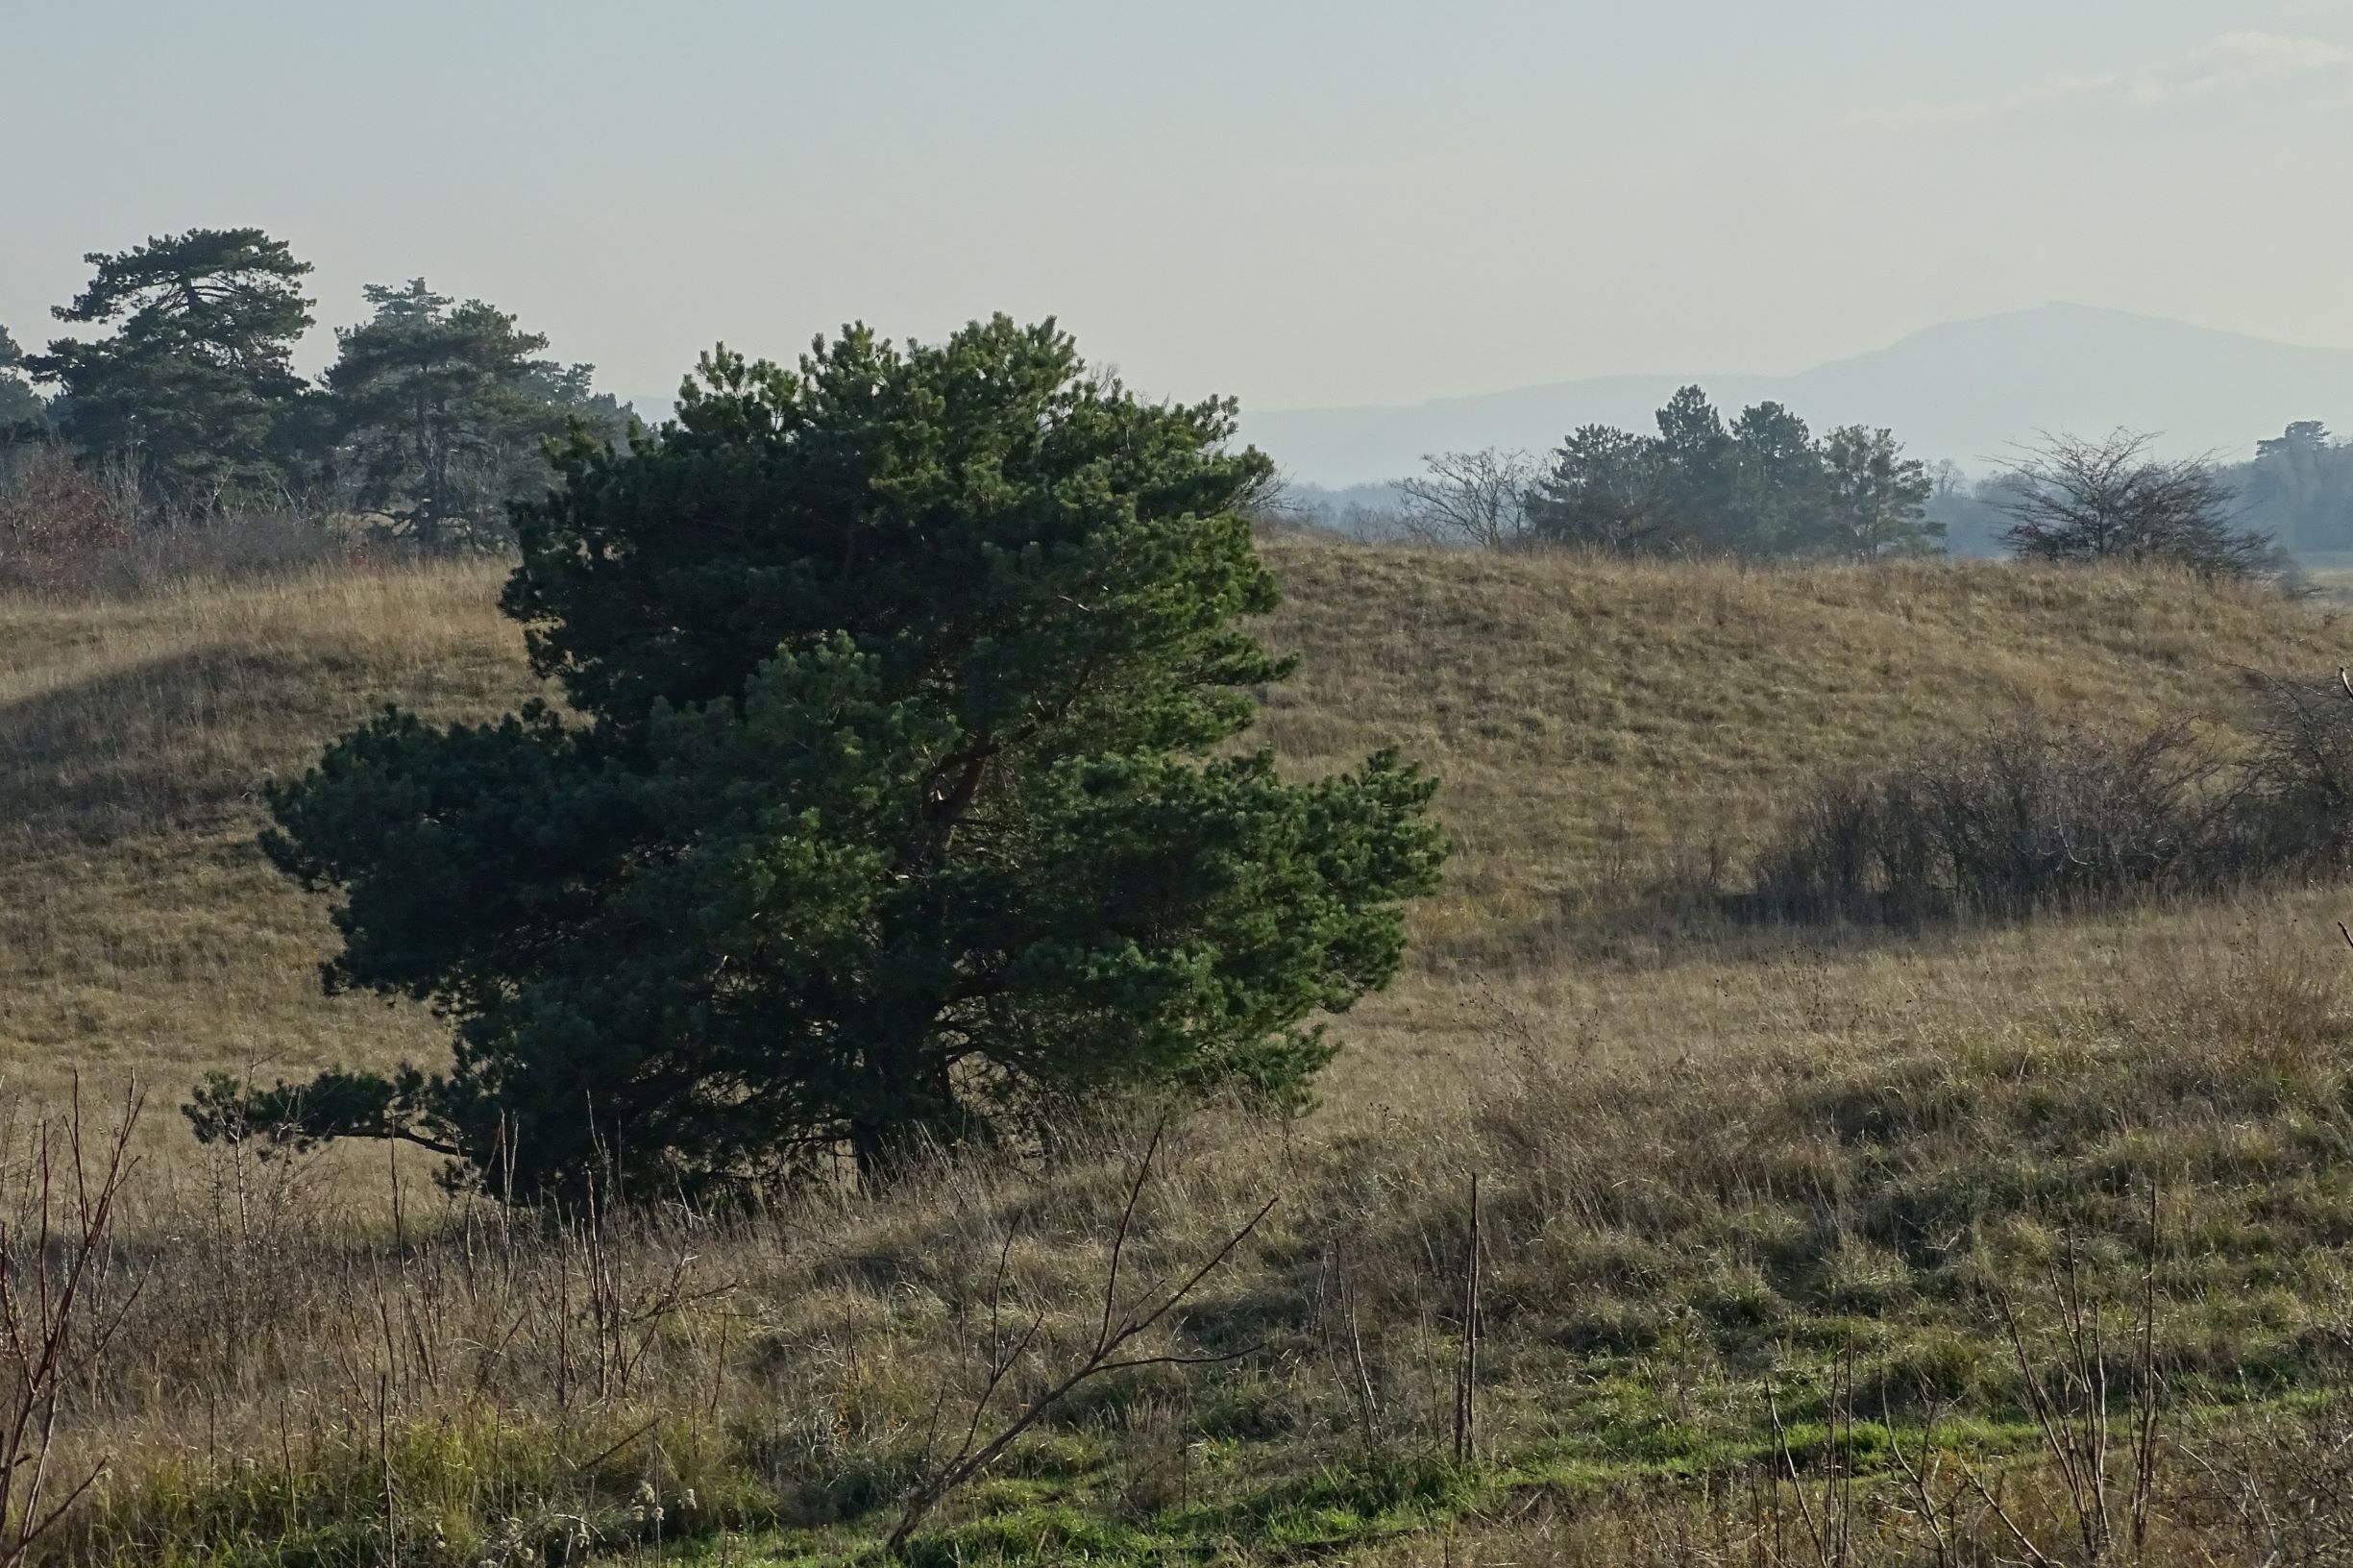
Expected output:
{"points": [[196, 383], [442, 414], [897, 802]]}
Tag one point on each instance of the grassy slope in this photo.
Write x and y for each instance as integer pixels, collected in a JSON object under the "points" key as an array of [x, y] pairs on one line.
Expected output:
{"points": [[1595, 726], [1586, 715], [1714, 1149], [1606, 728], [140, 928]]}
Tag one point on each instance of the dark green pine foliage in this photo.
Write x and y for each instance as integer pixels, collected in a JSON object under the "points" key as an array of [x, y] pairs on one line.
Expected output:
{"points": [[1877, 500], [20, 406], [1778, 495], [442, 416], [196, 383], [1763, 489], [897, 802]]}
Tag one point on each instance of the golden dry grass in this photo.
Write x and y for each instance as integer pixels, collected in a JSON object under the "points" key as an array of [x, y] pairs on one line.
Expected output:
{"points": [[140, 928], [1682, 1115], [1590, 717], [1606, 730], [1597, 726]]}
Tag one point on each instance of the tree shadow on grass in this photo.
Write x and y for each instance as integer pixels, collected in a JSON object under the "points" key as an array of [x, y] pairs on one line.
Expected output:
{"points": [[1666, 926], [162, 743]]}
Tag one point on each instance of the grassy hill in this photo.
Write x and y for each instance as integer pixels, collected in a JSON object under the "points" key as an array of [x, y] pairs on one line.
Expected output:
{"points": [[140, 928], [1720, 1159], [1598, 728]]}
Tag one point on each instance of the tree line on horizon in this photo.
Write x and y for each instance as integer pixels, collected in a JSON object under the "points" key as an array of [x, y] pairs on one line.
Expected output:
{"points": [[437, 414], [434, 414], [2298, 490], [1762, 487]]}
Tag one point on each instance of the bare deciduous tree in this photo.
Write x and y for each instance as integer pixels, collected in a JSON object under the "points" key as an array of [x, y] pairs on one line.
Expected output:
{"points": [[2075, 499], [1470, 498]]}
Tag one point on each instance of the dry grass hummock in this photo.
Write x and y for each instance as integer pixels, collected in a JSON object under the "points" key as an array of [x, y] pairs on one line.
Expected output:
{"points": [[140, 931]]}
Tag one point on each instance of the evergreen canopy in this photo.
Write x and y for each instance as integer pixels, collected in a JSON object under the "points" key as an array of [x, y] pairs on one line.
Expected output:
{"points": [[19, 405], [1764, 487], [894, 800], [198, 377], [442, 414]]}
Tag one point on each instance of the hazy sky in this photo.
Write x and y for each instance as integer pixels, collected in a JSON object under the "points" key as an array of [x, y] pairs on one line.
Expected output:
{"points": [[1294, 201]]}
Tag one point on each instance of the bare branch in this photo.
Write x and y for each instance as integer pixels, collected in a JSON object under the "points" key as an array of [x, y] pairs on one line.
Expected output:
{"points": [[1478, 498], [1116, 1329], [2071, 498], [54, 1239]]}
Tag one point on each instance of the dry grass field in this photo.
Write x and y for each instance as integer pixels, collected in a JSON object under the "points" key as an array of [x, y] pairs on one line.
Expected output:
{"points": [[1611, 733], [140, 932], [1773, 1216], [1604, 731]]}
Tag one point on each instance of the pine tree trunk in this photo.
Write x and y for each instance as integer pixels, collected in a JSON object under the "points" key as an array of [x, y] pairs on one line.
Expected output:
{"points": [[909, 1107]]}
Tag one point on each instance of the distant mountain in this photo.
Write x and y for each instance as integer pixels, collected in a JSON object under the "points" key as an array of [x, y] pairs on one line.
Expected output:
{"points": [[1966, 391]]}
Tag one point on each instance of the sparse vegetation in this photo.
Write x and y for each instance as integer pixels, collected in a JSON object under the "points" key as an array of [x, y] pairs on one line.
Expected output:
{"points": [[1479, 498], [71, 526], [62, 524], [2026, 820]]}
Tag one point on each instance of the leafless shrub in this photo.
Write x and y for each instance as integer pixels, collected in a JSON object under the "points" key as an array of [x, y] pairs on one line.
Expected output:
{"points": [[2074, 500], [2031, 817], [2106, 1481], [2280, 1485], [58, 1315], [2022, 818], [69, 526], [1478, 498], [231, 547], [2089, 1489], [62, 521], [2298, 791], [1005, 1352], [1829, 1502]]}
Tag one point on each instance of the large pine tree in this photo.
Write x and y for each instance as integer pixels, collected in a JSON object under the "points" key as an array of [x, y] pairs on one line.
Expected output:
{"points": [[896, 801], [196, 381]]}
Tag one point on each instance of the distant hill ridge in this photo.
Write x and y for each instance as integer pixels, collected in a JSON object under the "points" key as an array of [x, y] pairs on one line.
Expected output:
{"points": [[1967, 391]]}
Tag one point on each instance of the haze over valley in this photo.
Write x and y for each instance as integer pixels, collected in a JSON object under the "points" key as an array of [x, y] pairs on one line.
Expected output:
{"points": [[1969, 392]]}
